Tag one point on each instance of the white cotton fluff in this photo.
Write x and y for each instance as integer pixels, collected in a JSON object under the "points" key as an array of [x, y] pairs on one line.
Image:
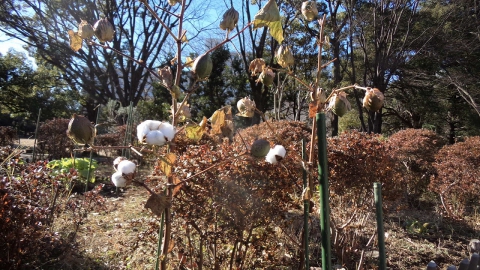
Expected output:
{"points": [[126, 167], [278, 150], [142, 130], [153, 124], [168, 130], [155, 137], [117, 161], [118, 179]]}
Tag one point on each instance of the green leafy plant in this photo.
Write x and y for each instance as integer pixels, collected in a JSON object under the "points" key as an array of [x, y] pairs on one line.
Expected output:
{"points": [[81, 165]]}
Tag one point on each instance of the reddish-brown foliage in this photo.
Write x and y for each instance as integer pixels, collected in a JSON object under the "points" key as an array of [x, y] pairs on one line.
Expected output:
{"points": [[457, 180], [52, 138], [357, 160], [415, 150], [7, 135], [29, 203]]}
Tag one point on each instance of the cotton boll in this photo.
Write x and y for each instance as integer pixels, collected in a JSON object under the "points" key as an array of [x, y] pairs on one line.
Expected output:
{"points": [[142, 130], [168, 130], [279, 151], [118, 179], [155, 137], [153, 124], [117, 161], [126, 167], [276, 154], [271, 158]]}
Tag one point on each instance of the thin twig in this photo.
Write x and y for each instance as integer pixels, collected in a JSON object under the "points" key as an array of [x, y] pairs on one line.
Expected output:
{"points": [[159, 19]]}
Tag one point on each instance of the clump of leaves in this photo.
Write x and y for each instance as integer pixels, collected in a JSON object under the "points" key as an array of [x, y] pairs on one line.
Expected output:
{"points": [[415, 151], [53, 140], [458, 176], [7, 135], [81, 165]]}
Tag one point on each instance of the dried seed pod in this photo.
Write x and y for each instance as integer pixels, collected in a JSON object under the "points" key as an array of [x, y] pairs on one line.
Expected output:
{"points": [[246, 107], [202, 67], [256, 66], [81, 130], [266, 77], [166, 76], [260, 148], [85, 30], [185, 113], [174, 2], [230, 19], [309, 10], [339, 104], [104, 30], [373, 99], [284, 56]]}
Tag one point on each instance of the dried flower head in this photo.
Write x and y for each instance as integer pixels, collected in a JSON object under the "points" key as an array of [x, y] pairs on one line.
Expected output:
{"points": [[166, 76], [230, 19], [309, 10], [319, 95], [256, 66]]}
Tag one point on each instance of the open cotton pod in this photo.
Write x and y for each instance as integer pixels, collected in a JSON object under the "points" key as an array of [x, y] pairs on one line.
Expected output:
{"points": [[246, 107], [276, 154], [339, 104], [155, 132], [373, 100], [117, 161], [126, 166]]}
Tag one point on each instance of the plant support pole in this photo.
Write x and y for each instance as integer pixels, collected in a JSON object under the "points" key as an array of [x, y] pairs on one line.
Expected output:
{"points": [[324, 201], [377, 189], [306, 211], [91, 151], [36, 132]]}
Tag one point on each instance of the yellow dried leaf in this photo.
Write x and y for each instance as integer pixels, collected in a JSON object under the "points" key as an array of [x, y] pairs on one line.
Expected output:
{"points": [[75, 40], [194, 132], [217, 120], [269, 16], [188, 62], [165, 163]]}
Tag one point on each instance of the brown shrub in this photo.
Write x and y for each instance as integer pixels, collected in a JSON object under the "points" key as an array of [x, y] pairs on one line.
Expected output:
{"points": [[458, 176], [8, 135], [414, 150], [52, 138]]}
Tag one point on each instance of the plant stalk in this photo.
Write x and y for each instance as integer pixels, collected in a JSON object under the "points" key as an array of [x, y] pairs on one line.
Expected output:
{"points": [[377, 188]]}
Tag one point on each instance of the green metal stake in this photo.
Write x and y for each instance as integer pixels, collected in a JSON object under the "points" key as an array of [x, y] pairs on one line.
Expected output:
{"points": [[377, 189], [306, 212], [91, 152], [160, 240], [36, 131], [324, 201]]}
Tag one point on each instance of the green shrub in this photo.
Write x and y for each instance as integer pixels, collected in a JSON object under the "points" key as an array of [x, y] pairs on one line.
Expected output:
{"points": [[81, 165]]}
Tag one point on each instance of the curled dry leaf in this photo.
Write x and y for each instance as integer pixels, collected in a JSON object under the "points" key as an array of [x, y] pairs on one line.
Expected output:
{"points": [[157, 203], [166, 76], [256, 66], [75, 40]]}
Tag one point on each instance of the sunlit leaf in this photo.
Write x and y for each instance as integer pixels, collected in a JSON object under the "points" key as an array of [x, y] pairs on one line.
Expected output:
{"points": [[75, 40], [188, 62], [194, 132], [165, 163], [217, 120], [178, 187], [312, 109], [269, 16]]}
